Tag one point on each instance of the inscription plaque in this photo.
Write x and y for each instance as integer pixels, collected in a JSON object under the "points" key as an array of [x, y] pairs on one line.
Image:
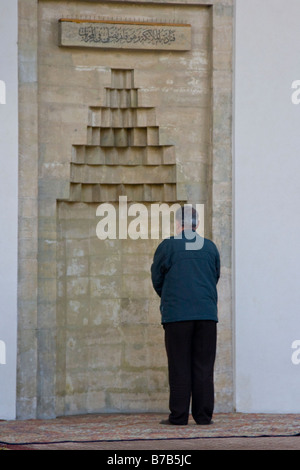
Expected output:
{"points": [[124, 35]]}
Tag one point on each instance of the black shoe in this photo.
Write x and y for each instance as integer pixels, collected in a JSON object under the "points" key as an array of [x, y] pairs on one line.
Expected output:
{"points": [[165, 421], [168, 422], [205, 423]]}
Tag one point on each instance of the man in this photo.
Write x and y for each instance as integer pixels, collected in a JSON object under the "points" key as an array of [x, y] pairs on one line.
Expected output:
{"points": [[185, 273]]}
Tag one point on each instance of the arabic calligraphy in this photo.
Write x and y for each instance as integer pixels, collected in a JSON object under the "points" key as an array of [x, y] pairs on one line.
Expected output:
{"points": [[124, 35], [111, 34]]}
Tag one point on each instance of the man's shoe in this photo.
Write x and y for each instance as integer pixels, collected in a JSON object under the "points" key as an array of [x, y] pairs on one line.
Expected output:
{"points": [[206, 424], [168, 422]]}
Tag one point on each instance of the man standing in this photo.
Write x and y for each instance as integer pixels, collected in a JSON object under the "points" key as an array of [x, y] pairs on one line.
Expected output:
{"points": [[185, 273]]}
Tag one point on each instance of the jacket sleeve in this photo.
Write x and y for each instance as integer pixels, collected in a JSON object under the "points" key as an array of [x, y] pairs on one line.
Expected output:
{"points": [[218, 265], [159, 267]]}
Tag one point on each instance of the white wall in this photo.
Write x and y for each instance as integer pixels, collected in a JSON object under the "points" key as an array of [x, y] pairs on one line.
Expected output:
{"points": [[267, 206], [8, 206]]}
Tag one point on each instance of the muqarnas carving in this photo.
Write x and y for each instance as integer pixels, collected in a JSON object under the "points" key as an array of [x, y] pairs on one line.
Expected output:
{"points": [[123, 156]]}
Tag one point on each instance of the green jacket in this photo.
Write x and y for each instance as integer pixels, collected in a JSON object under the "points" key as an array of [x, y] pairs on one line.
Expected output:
{"points": [[185, 273]]}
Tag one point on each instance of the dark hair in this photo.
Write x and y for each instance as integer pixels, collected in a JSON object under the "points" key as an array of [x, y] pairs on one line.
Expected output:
{"points": [[187, 216]]}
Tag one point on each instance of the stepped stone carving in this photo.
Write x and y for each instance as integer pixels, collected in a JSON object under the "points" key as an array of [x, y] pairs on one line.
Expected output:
{"points": [[123, 155]]}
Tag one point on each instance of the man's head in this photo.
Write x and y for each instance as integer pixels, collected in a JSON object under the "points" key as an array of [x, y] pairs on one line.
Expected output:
{"points": [[186, 218]]}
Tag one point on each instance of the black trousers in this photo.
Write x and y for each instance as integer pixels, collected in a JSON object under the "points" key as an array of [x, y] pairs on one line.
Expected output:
{"points": [[191, 351]]}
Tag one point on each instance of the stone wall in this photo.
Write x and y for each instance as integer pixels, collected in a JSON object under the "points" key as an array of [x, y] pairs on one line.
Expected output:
{"points": [[152, 125]]}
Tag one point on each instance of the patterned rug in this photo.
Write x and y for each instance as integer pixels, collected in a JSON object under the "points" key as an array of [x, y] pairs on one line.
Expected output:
{"points": [[137, 427]]}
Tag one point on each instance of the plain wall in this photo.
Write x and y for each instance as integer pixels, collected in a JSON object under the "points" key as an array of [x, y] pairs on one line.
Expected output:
{"points": [[266, 206], [8, 206]]}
